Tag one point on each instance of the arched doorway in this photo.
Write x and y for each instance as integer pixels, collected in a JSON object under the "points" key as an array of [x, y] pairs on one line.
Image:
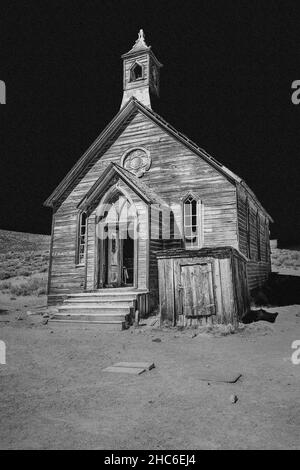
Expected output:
{"points": [[116, 239]]}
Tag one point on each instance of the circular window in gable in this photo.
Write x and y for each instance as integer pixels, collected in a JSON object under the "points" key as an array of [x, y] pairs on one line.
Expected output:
{"points": [[137, 161]]}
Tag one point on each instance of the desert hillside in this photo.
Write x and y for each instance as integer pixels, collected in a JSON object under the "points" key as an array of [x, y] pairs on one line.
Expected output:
{"points": [[24, 259], [20, 241], [285, 261]]}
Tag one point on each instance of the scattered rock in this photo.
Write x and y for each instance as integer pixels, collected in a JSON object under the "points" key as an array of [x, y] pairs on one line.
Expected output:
{"points": [[233, 398]]}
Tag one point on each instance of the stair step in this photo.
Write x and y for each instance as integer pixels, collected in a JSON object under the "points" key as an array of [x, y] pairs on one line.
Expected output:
{"points": [[110, 325], [110, 317], [95, 302], [95, 309], [109, 292]]}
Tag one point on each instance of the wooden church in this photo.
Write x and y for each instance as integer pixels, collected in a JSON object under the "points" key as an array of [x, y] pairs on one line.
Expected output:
{"points": [[148, 221]]}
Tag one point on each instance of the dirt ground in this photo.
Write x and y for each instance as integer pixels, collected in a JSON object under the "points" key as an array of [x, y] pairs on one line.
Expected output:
{"points": [[55, 394]]}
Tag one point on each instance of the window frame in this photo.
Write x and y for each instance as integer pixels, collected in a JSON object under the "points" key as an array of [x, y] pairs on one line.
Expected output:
{"points": [[199, 222], [80, 259], [258, 236], [131, 71], [267, 241], [248, 223]]}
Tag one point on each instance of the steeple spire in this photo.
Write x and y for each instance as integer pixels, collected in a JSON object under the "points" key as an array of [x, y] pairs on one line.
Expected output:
{"points": [[140, 72]]}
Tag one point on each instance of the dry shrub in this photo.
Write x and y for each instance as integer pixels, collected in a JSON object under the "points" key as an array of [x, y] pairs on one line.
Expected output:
{"points": [[34, 286], [5, 275], [5, 285], [219, 329]]}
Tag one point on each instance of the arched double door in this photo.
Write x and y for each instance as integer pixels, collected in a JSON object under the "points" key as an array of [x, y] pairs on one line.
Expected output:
{"points": [[116, 246]]}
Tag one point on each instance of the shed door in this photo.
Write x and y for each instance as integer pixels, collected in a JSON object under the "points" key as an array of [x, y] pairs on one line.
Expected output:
{"points": [[197, 290]]}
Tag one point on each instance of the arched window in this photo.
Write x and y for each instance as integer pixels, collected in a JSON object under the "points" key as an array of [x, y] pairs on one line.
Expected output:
{"points": [[136, 72], [192, 215], [82, 229]]}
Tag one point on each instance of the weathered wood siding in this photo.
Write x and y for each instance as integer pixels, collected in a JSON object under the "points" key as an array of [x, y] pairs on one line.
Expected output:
{"points": [[229, 283], [258, 274], [254, 242], [175, 170]]}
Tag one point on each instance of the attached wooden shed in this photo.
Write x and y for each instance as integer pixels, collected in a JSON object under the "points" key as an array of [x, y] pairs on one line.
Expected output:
{"points": [[199, 287]]}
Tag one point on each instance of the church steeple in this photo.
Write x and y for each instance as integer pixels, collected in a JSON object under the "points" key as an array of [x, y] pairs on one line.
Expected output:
{"points": [[140, 72]]}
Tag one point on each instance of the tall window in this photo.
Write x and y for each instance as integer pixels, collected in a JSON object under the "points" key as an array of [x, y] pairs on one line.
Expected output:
{"points": [[81, 238], [267, 254], [172, 225], [258, 236], [160, 227], [192, 222], [248, 229]]}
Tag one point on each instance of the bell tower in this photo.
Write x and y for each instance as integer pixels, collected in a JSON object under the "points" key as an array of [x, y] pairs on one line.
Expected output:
{"points": [[140, 72]]}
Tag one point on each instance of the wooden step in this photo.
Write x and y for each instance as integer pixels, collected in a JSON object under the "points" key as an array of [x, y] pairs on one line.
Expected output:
{"points": [[109, 325], [128, 293], [95, 308], [97, 300], [102, 317]]}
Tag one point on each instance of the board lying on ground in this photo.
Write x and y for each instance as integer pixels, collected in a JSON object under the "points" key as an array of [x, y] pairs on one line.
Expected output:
{"points": [[135, 368]]}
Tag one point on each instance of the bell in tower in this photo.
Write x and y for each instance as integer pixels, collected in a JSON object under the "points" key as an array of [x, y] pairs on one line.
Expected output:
{"points": [[140, 73]]}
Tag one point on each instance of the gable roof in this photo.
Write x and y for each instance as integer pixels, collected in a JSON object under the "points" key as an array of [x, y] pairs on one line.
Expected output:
{"points": [[99, 187], [109, 135]]}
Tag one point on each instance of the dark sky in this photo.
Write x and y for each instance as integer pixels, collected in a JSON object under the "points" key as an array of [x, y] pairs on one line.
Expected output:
{"points": [[226, 83]]}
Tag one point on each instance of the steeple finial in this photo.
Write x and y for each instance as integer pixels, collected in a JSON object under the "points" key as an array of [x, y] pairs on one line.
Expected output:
{"points": [[140, 43], [141, 38]]}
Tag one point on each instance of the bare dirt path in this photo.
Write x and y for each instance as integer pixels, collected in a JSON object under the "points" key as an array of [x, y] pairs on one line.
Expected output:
{"points": [[54, 393]]}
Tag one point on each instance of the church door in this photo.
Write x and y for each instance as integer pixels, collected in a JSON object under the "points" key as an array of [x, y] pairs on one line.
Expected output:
{"points": [[116, 247]]}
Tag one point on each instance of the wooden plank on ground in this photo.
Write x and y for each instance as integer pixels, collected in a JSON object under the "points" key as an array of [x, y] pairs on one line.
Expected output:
{"points": [[215, 377], [141, 365], [125, 370]]}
